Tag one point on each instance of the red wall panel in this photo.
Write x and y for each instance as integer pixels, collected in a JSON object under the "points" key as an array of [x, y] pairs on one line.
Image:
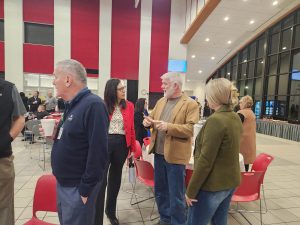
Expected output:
{"points": [[39, 11], [38, 58], [2, 62], [85, 33], [1, 9], [161, 14], [125, 40]]}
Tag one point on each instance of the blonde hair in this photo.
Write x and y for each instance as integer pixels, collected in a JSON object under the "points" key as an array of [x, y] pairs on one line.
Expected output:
{"points": [[221, 92], [247, 100]]}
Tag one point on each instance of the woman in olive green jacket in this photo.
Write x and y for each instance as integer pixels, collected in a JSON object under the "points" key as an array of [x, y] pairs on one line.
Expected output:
{"points": [[216, 156]]}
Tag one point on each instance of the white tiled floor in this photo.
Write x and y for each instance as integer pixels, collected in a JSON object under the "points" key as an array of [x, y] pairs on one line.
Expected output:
{"points": [[282, 187]]}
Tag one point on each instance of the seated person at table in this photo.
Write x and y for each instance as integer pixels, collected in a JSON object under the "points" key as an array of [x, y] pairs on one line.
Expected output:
{"points": [[41, 112], [216, 159]]}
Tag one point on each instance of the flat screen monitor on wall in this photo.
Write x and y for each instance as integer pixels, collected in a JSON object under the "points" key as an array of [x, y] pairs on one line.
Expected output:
{"points": [[177, 65], [295, 76]]}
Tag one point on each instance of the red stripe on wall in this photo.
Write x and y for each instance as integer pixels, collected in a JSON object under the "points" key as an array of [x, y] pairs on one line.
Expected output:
{"points": [[125, 40], [85, 33], [2, 63], [1, 9], [38, 58], [38, 11], [160, 32]]}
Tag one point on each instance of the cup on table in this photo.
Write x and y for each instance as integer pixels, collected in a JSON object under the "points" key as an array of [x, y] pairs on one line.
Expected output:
{"points": [[48, 126]]}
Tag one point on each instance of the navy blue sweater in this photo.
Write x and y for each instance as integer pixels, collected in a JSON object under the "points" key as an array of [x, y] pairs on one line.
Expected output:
{"points": [[79, 156]]}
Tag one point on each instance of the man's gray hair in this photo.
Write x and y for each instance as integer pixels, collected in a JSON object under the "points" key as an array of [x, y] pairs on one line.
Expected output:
{"points": [[173, 77], [74, 68]]}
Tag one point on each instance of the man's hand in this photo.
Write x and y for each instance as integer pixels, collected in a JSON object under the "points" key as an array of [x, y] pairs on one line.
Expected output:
{"points": [[161, 126], [84, 199], [148, 121], [189, 201]]}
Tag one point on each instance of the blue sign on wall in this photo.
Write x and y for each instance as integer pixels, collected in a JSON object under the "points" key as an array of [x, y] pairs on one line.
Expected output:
{"points": [[177, 66]]}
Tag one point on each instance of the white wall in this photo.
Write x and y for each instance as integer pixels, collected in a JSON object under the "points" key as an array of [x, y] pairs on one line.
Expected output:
{"points": [[13, 36], [104, 44], [198, 88]]}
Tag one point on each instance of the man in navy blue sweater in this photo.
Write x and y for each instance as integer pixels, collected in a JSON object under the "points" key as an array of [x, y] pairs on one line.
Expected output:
{"points": [[79, 154]]}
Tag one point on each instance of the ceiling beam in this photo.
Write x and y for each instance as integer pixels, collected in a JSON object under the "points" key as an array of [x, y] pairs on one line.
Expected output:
{"points": [[199, 20]]}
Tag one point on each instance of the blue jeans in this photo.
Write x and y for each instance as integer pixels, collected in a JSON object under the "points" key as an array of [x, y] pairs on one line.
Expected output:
{"points": [[211, 207], [169, 191]]}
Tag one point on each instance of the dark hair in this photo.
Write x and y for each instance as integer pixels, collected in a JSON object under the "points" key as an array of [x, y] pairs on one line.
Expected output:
{"points": [[140, 105], [110, 95], [22, 94]]}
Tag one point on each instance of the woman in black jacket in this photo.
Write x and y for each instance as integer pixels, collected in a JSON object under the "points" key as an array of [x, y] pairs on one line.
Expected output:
{"points": [[139, 111]]}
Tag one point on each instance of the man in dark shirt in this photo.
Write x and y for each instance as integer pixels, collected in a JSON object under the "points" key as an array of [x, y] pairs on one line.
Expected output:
{"points": [[80, 153], [34, 102], [12, 122]]}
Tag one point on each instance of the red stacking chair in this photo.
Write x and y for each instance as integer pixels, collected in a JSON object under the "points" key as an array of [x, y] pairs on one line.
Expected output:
{"points": [[44, 199], [249, 190], [145, 174], [188, 175], [138, 150], [261, 163], [146, 141]]}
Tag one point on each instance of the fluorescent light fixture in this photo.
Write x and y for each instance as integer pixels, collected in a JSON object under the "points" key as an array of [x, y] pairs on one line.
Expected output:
{"points": [[193, 56]]}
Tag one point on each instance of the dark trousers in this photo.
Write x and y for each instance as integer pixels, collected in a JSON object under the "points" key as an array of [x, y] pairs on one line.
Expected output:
{"points": [[118, 152]]}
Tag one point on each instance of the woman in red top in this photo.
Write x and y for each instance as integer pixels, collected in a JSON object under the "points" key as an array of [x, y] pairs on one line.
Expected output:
{"points": [[121, 142]]}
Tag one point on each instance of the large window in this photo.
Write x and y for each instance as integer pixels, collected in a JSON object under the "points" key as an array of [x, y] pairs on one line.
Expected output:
{"points": [[38, 34], [1, 30], [268, 69]]}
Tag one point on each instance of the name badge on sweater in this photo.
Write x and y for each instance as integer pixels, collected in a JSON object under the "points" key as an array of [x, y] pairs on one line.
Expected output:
{"points": [[60, 133]]}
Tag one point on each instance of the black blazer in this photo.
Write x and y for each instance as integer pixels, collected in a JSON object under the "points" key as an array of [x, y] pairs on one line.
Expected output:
{"points": [[140, 130], [34, 103]]}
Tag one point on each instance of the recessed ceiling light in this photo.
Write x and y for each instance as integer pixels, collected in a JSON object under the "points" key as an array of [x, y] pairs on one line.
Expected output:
{"points": [[251, 22], [284, 48], [229, 42], [228, 73], [275, 3], [245, 74], [262, 62], [246, 87], [199, 71], [193, 56], [245, 60], [207, 39], [226, 18], [212, 57]]}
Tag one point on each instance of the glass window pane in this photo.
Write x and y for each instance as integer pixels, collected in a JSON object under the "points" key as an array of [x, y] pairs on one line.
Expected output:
{"points": [[294, 111], [258, 87], [284, 62], [298, 17], [242, 87], [280, 106], [31, 80], [222, 72], [269, 105], [296, 61], [1, 30], [249, 87], [288, 21], [286, 40], [297, 37], [272, 65], [235, 61], [39, 34], [259, 68], [46, 81], [234, 73], [271, 85], [276, 28], [251, 69], [295, 84], [92, 83], [252, 50], [260, 50], [244, 71], [244, 55], [283, 84], [274, 43]]}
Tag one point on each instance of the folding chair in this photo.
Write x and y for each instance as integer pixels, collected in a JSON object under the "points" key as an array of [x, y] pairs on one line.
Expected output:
{"points": [[248, 191], [44, 199], [261, 163], [147, 141]]}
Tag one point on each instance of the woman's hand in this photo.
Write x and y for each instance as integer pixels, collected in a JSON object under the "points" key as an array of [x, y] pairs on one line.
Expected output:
{"points": [[189, 201]]}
